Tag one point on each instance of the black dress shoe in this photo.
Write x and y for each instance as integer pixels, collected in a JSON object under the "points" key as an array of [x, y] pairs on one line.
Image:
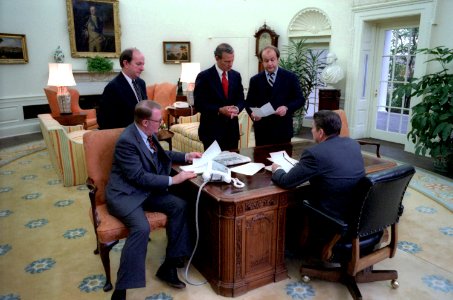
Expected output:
{"points": [[170, 276], [119, 295]]}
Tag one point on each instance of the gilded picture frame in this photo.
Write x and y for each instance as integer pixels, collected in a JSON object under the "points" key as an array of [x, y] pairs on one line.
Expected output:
{"points": [[176, 52], [13, 49], [94, 28]]}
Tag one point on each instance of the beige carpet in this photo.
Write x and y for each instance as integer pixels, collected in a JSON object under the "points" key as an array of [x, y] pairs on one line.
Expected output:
{"points": [[47, 243]]}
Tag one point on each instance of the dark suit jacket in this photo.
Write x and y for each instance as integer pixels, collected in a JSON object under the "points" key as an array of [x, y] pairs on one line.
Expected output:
{"points": [[209, 97], [286, 91], [134, 175], [117, 105], [333, 168]]}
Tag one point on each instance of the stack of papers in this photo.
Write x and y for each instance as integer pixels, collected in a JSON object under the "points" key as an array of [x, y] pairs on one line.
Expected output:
{"points": [[263, 111], [283, 159]]}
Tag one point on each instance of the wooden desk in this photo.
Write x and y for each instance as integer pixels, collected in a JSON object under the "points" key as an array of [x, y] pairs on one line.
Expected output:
{"points": [[242, 231], [76, 118]]}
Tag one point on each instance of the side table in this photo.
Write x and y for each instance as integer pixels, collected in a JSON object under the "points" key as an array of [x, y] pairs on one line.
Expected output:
{"points": [[166, 136], [179, 112], [76, 118], [329, 99]]}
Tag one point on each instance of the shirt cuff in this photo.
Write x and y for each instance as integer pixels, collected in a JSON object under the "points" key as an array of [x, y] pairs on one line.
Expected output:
{"points": [[170, 181], [279, 168]]}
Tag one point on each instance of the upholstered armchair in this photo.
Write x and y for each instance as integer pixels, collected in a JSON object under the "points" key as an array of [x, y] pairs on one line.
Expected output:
{"points": [[51, 94], [99, 148], [186, 133], [164, 94], [65, 147]]}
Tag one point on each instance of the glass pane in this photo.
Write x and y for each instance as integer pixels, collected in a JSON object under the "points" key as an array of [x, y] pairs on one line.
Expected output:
{"points": [[400, 68], [381, 120], [394, 122]]}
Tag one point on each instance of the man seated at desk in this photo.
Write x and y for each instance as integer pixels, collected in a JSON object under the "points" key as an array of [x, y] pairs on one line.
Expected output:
{"points": [[333, 166]]}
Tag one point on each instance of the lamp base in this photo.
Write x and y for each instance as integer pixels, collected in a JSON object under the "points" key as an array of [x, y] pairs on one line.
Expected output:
{"points": [[64, 103]]}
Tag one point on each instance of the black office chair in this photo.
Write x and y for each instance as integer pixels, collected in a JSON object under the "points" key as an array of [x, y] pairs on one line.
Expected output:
{"points": [[355, 244]]}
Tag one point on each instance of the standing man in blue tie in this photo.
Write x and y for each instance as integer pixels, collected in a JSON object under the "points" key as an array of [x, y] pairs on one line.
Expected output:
{"points": [[219, 97], [116, 108], [282, 89]]}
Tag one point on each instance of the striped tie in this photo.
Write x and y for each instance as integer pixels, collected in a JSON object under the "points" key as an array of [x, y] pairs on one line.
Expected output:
{"points": [[271, 79], [137, 91], [151, 144]]}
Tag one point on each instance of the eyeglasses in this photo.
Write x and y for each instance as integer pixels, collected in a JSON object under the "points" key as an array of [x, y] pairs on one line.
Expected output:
{"points": [[157, 121]]}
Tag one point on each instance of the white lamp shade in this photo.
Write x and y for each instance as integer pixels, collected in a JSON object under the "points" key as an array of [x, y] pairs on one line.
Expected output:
{"points": [[61, 75], [189, 72]]}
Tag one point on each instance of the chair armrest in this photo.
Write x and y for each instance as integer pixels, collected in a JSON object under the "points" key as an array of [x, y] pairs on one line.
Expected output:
{"points": [[378, 146], [339, 226]]}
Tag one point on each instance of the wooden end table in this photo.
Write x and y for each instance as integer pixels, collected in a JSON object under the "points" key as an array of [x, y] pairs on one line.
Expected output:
{"points": [[76, 118], [179, 112], [166, 136]]}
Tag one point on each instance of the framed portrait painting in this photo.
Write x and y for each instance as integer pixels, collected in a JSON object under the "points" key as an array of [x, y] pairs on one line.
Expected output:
{"points": [[176, 52], [13, 49], [94, 28]]}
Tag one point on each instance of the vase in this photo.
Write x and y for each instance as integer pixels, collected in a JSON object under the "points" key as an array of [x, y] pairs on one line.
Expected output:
{"points": [[443, 163]]}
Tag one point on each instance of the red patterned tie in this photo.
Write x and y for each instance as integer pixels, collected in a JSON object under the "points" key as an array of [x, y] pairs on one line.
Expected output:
{"points": [[225, 84], [151, 144]]}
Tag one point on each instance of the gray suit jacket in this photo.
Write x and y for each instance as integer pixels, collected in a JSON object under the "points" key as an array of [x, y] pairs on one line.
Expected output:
{"points": [[135, 175], [333, 168]]}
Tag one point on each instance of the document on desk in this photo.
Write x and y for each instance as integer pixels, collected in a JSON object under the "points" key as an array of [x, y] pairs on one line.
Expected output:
{"points": [[263, 111], [249, 169], [283, 159], [199, 164]]}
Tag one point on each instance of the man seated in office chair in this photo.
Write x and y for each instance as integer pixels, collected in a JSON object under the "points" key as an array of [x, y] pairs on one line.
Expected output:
{"points": [[333, 166]]}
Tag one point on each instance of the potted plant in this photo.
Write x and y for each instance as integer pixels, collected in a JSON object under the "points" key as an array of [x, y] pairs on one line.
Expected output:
{"points": [[99, 64], [298, 58], [432, 118]]}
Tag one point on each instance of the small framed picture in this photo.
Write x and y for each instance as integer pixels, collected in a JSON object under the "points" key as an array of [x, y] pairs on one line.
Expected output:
{"points": [[13, 49], [176, 52]]}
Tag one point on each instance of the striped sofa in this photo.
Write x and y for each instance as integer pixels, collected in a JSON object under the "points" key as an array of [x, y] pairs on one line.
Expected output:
{"points": [[65, 147], [186, 133]]}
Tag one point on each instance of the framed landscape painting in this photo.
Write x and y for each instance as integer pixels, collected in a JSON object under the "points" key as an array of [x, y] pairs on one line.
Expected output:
{"points": [[94, 28], [13, 49], [176, 52]]}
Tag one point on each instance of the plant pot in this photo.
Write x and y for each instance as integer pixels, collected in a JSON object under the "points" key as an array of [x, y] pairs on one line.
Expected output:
{"points": [[443, 163]]}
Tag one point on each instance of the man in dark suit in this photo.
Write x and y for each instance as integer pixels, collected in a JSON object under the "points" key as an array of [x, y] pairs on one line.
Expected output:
{"points": [[139, 182], [333, 167], [282, 89], [116, 108], [219, 97]]}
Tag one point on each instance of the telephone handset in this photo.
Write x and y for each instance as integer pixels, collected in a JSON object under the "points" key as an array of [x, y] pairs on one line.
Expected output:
{"points": [[216, 172]]}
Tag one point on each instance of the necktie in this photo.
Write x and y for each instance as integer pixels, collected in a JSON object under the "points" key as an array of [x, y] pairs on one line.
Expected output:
{"points": [[225, 84], [151, 144], [137, 91], [271, 79]]}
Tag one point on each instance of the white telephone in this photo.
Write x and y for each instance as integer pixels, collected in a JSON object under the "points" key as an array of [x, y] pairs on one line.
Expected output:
{"points": [[181, 104], [216, 172]]}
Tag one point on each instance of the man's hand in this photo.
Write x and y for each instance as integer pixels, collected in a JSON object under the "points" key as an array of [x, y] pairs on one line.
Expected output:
{"points": [[281, 111], [229, 111], [183, 176], [255, 118], [190, 156], [275, 167]]}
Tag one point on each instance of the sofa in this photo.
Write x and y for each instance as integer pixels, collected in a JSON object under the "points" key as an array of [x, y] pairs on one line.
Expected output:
{"points": [[65, 147], [186, 133]]}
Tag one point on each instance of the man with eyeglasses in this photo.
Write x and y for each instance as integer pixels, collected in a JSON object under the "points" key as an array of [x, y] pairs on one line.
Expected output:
{"points": [[140, 181], [121, 94]]}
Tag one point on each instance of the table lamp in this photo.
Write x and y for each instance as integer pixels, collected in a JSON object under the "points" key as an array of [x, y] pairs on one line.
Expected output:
{"points": [[189, 72], [60, 75]]}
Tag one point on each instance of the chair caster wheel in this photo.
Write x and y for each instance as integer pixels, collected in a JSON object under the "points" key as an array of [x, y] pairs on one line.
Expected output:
{"points": [[305, 279], [395, 284]]}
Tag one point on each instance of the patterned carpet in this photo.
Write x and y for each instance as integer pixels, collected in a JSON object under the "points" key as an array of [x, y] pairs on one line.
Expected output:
{"points": [[47, 243]]}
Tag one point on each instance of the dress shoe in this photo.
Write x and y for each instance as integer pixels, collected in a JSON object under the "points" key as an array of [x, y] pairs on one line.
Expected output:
{"points": [[170, 276], [119, 295]]}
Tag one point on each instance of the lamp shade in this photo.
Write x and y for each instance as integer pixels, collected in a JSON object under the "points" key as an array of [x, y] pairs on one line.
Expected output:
{"points": [[60, 75], [189, 72]]}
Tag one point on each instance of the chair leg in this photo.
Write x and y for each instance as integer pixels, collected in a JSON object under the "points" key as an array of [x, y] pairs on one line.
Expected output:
{"points": [[327, 274], [351, 284], [370, 275], [105, 258]]}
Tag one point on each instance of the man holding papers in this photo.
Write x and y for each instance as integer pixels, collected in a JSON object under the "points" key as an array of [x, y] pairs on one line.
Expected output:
{"points": [[273, 96], [333, 166]]}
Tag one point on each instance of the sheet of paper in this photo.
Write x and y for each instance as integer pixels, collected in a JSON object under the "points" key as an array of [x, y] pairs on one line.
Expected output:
{"points": [[199, 164], [283, 159], [248, 169], [263, 111]]}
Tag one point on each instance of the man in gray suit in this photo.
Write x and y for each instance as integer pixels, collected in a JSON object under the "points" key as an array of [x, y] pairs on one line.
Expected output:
{"points": [[334, 166], [139, 182]]}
